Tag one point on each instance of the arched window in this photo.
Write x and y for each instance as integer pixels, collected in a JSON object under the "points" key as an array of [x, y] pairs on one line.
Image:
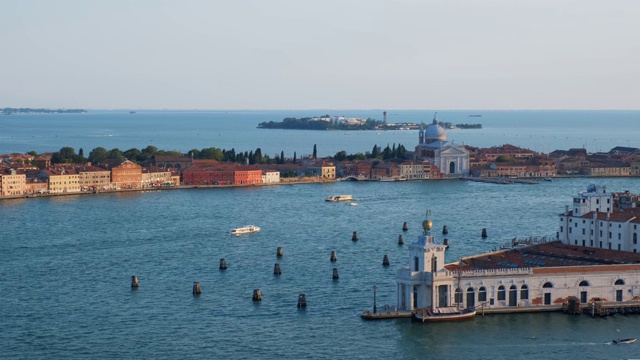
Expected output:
{"points": [[513, 295], [524, 292], [471, 295], [619, 282], [501, 293], [482, 294], [416, 262], [458, 296], [452, 167], [547, 285], [583, 283]]}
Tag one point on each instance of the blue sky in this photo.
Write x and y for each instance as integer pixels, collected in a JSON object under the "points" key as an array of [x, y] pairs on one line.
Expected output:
{"points": [[359, 54]]}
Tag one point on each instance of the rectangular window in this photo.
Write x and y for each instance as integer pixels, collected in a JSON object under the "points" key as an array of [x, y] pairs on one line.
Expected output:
{"points": [[600, 244], [618, 246], [584, 231]]}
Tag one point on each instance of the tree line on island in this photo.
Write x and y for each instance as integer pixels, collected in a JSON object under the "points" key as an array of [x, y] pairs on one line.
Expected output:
{"points": [[9, 111], [68, 155], [327, 122]]}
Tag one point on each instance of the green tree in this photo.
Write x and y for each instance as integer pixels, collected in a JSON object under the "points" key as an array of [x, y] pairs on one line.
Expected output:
{"points": [[386, 153], [133, 154], [375, 152], [294, 157], [67, 153], [315, 151], [211, 153], [282, 157], [340, 156], [32, 153], [116, 154], [98, 154]]}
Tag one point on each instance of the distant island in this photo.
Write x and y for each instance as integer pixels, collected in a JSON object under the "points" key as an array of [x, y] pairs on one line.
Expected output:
{"points": [[327, 122], [9, 111]]}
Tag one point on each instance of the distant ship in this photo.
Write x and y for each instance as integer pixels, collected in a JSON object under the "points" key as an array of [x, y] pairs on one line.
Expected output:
{"points": [[132, 112], [475, 115]]}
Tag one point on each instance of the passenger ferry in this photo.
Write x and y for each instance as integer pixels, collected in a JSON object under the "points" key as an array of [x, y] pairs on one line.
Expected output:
{"points": [[247, 229], [339, 198]]}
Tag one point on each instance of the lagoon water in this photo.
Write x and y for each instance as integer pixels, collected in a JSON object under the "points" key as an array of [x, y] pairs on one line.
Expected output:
{"points": [[66, 264], [542, 131]]}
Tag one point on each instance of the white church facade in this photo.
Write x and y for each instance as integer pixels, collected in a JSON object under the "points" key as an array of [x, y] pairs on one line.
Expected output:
{"points": [[451, 159]]}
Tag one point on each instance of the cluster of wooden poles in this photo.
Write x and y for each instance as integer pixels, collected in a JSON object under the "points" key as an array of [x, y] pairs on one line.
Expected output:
{"points": [[302, 302]]}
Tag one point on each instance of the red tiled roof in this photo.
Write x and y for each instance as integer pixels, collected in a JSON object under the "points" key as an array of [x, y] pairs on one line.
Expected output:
{"points": [[549, 254]]}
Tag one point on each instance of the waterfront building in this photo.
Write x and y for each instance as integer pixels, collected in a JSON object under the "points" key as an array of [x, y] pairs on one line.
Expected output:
{"points": [[247, 175], [451, 160], [610, 170], [601, 219], [209, 174], [93, 177], [323, 170], [126, 175], [174, 162], [154, 177], [12, 183], [540, 166], [413, 170], [542, 276], [270, 177], [61, 179]]}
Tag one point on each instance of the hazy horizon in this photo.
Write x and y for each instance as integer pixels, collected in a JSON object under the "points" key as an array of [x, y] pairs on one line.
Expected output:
{"points": [[290, 55]]}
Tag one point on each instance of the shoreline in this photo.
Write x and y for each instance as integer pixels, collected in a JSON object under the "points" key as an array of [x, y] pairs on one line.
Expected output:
{"points": [[297, 181]]}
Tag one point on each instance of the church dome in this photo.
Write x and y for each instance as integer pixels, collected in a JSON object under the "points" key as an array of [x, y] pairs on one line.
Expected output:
{"points": [[435, 132]]}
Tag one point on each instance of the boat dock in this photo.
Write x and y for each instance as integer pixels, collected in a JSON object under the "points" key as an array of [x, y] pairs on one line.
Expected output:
{"points": [[601, 308], [368, 315]]}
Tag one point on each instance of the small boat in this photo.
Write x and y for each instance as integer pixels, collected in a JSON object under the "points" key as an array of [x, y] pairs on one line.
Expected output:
{"points": [[547, 179], [443, 314], [624, 341], [339, 198], [247, 229], [353, 203]]}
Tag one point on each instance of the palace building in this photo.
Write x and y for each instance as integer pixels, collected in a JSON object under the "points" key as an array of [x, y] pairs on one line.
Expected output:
{"points": [[538, 276]]}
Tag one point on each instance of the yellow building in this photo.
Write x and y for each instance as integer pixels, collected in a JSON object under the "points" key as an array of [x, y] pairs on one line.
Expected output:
{"points": [[61, 179], [12, 183]]}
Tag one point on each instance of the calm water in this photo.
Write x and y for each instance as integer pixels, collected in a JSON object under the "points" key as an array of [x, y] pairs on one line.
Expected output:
{"points": [[67, 262], [542, 131]]}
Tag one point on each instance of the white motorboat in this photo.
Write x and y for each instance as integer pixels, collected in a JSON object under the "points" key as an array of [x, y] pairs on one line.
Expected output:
{"points": [[247, 229]]}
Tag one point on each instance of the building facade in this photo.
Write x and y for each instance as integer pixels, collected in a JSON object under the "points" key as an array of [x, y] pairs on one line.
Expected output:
{"points": [[543, 276]]}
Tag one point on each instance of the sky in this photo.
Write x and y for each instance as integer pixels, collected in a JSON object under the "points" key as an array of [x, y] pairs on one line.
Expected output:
{"points": [[321, 54]]}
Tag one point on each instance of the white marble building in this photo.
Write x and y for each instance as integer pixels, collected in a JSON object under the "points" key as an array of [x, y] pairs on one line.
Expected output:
{"points": [[451, 159], [540, 277]]}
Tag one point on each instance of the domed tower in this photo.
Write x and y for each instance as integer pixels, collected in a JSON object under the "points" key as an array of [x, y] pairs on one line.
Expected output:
{"points": [[434, 132], [415, 282]]}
